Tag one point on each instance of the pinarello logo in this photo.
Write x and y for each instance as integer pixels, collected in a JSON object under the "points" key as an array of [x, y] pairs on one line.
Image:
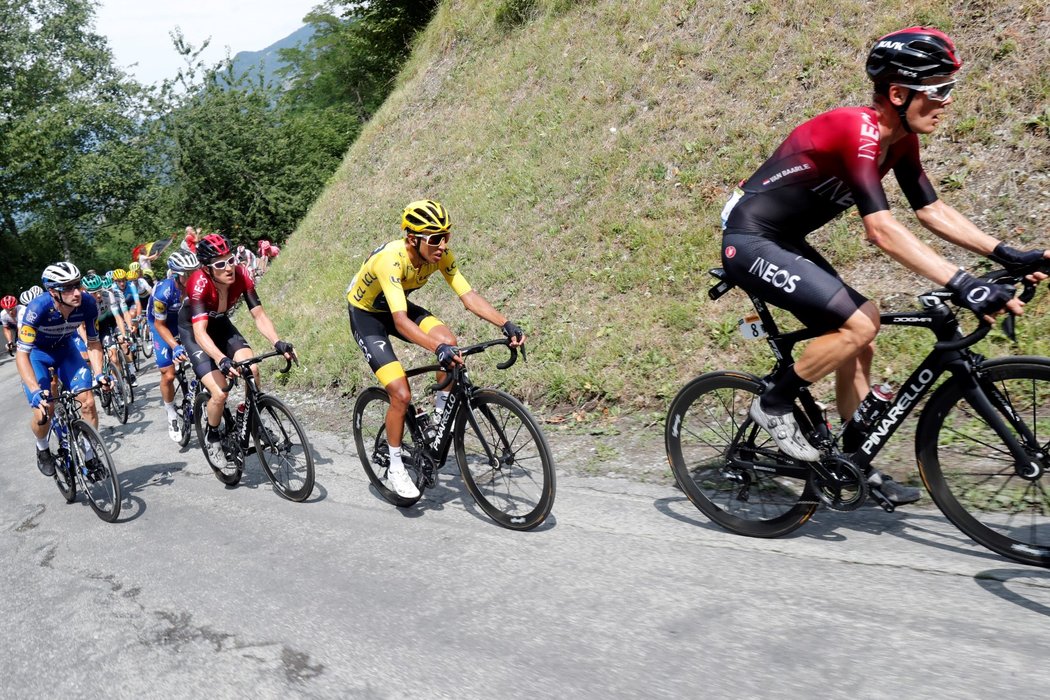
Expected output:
{"points": [[730, 251]]}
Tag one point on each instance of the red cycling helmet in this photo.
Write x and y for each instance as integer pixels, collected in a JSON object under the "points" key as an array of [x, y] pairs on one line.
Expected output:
{"points": [[264, 246], [8, 302], [212, 246], [273, 251]]}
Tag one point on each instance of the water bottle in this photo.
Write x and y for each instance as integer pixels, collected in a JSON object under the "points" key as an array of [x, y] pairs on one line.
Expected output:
{"points": [[873, 405]]}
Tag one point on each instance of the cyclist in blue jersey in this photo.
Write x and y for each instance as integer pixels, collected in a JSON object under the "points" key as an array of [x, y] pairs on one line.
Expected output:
{"points": [[45, 342], [123, 302], [163, 314]]}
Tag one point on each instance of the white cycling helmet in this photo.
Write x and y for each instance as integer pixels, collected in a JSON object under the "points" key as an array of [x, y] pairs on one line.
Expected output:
{"points": [[30, 294], [60, 274], [182, 262]]}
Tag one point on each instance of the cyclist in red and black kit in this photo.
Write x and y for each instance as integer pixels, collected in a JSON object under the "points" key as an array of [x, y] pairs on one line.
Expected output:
{"points": [[207, 332], [833, 162]]}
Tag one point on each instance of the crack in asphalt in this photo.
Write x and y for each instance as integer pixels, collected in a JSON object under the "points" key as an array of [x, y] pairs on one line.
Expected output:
{"points": [[30, 522]]}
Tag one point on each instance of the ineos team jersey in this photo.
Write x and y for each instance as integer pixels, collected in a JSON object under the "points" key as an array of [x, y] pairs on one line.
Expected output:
{"points": [[825, 166], [387, 277]]}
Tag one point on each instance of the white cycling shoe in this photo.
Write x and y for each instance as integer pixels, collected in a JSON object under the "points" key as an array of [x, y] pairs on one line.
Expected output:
{"points": [[785, 432], [175, 430], [401, 482]]}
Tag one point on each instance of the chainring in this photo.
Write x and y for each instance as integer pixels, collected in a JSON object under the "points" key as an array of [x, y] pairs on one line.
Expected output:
{"points": [[847, 487]]}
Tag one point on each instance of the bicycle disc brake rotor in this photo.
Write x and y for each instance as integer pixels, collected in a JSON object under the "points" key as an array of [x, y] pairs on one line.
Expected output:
{"points": [[845, 486]]}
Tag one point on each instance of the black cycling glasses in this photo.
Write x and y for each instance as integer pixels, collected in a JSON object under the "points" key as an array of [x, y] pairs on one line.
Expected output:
{"points": [[223, 264], [937, 93], [435, 239], [67, 288]]}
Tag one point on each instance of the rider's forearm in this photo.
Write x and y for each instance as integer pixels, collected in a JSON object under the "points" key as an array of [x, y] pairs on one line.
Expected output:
{"points": [[25, 370], [265, 325], [480, 307], [95, 356], [903, 246], [947, 223], [166, 335]]}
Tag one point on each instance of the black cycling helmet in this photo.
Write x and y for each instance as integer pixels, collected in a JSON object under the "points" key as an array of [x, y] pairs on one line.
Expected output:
{"points": [[912, 55]]}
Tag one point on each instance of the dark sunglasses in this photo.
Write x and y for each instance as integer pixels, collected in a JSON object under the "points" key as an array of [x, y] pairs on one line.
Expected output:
{"points": [[67, 288]]}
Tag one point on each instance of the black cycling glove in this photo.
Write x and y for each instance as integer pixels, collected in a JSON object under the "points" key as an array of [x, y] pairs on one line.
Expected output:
{"points": [[282, 347], [979, 296], [226, 366], [513, 331], [446, 355], [1014, 258]]}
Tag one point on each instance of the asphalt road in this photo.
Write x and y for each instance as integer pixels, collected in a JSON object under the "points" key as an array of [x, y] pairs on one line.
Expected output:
{"points": [[626, 591]]}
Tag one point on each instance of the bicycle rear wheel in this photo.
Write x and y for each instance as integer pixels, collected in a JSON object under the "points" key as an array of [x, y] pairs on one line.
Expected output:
{"points": [[283, 449], [372, 447], [147, 341], [708, 427], [504, 460], [64, 471], [120, 397], [228, 472], [970, 473], [98, 477]]}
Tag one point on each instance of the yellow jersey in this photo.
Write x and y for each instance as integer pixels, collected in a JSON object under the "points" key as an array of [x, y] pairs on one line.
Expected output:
{"points": [[387, 277]]}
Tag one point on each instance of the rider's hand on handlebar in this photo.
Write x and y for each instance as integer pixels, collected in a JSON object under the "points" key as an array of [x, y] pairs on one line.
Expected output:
{"points": [[1015, 259], [38, 397], [227, 368], [448, 356], [286, 349], [103, 381], [513, 331], [178, 353], [983, 297]]}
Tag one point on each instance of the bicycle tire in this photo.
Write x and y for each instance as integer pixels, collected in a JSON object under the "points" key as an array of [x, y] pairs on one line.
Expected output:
{"points": [[507, 467], [289, 466], [124, 368], [704, 426], [65, 477], [101, 484], [185, 413], [229, 475], [369, 425], [120, 397], [970, 474], [147, 341]]}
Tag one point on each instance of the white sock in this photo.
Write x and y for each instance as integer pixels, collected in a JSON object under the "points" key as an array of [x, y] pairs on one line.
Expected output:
{"points": [[41, 444], [439, 400], [395, 457], [169, 408], [86, 446]]}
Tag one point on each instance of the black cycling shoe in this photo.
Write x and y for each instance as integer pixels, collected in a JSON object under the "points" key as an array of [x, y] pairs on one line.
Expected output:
{"points": [[45, 462], [895, 492], [93, 470]]}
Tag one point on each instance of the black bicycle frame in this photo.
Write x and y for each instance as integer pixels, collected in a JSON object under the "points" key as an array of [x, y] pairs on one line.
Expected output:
{"points": [[949, 354]]}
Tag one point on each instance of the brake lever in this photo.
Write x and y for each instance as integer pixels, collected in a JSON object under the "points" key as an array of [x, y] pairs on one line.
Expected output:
{"points": [[1010, 327]]}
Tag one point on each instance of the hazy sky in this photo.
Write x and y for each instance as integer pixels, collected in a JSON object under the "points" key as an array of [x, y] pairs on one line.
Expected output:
{"points": [[137, 31]]}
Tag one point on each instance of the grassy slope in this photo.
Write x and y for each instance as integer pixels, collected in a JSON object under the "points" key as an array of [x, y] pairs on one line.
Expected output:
{"points": [[586, 152]]}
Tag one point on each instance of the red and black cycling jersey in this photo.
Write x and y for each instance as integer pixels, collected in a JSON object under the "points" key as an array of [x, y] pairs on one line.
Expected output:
{"points": [[824, 167], [202, 296]]}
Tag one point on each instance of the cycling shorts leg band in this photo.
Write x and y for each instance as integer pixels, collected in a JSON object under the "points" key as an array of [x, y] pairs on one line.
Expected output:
{"points": [[390, 372]]}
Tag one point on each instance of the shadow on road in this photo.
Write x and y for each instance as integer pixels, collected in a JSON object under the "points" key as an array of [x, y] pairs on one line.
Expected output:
{"points": [[1022, 587]]}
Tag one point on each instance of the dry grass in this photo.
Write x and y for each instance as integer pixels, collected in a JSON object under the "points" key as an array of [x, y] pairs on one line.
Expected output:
{"points": [[585, 150]]}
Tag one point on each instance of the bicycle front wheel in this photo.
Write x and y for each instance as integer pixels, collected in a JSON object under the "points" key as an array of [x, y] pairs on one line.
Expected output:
{"points": [[94, 467], [372, 447], [711, 441], [970, 473], [227, 471], [504, 460], [120, 397], [284, 450], [147, 341], [65, 470]]}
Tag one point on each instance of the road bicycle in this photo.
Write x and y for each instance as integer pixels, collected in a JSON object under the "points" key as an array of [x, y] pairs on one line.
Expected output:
{"points": [[187, 387], [81, 456], [981, 442], [501, 451], [117, 401], [143, 336], [280, 441]]}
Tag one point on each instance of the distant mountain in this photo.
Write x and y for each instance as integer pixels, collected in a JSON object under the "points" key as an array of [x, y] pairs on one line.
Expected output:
{"points": [[268, 60]]}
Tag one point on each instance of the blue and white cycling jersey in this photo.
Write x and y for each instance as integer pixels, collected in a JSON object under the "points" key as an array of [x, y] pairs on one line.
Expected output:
{"points": [[44, 327], [116, 300], [164, 306]]}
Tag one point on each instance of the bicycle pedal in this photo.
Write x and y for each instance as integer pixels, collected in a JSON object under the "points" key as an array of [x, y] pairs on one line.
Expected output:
{"points": [[881, 499]]}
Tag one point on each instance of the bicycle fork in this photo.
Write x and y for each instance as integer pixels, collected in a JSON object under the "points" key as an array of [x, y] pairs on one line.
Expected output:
{"points": [[991, 405]]}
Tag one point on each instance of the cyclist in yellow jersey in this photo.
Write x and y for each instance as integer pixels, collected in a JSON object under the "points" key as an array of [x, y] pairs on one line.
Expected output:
{"points": [[378, 305]]}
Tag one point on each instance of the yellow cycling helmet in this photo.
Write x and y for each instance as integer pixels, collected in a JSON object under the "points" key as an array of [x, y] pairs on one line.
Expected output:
{"points": [[119, 274], [425, 216], [133, 275], [134, 267]]}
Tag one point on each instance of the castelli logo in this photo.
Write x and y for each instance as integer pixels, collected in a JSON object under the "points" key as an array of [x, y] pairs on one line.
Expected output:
{"points": [[730, 251]]}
